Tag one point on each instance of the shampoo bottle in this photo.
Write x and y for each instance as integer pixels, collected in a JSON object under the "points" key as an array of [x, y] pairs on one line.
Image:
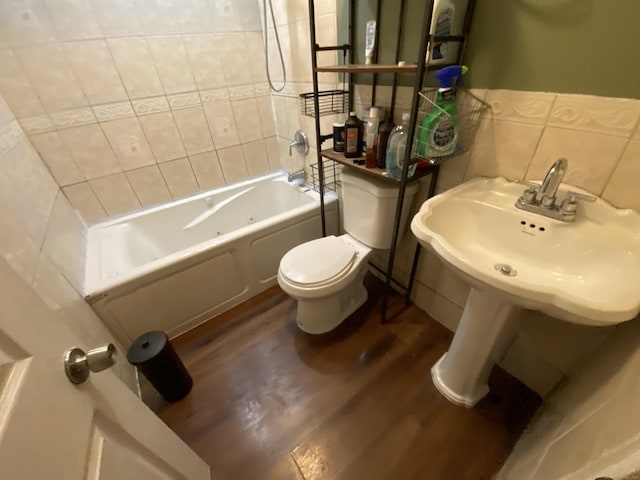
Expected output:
{"points": [[396, 150], [353, 134], [372, 138], [438, 132], [441, 24], [383, 140]]}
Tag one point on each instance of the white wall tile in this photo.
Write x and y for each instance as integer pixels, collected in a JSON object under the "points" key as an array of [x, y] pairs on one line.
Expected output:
{"points": [[93, 66], [592, 157], [117, 17], [82, 199], [17, 246], [73, 19], [233, 164], [247, 119], [222, 124], [50, 74], [255, 44], [157, 16], [204, 54], [226, 16], [622, 189], [149, 185], [115, 193], [27, 188], [207, 170], [27, 23], [194, 130], [136, 67], [233, 51], [129, 143], [194, 16], [65, 242], [179, 177], [273, 152], [163, 137], [255, 154], [503, 149], [16, 88], [91, 150], [265, 112], [445, 311], [173, 65], [57, 158]]}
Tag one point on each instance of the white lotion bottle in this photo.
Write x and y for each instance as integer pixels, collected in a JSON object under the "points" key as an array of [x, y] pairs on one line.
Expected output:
{"points": [[370, 42], [442, 24]]}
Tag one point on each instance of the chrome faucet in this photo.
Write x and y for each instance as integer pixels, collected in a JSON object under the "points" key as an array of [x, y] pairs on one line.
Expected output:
{"points": [[552, 180], [541, 199], [296, 175], [300, 143]]}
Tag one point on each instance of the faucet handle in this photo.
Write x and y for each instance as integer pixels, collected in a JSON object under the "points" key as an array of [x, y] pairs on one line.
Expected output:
{"points": [[527, 183], [581, 196]]}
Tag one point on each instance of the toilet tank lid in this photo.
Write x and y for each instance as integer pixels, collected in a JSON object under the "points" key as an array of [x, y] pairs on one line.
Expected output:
{"points": [[377, 187], [317, 261]]}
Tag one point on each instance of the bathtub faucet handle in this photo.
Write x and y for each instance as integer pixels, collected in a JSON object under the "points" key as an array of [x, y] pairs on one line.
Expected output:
{"points": [[299, 142]]}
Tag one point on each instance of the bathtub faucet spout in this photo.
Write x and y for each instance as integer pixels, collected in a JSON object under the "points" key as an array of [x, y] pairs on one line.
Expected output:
{"points": [[296, 175]]}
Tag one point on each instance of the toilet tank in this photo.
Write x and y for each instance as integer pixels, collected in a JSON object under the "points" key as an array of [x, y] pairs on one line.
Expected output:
{"points": [[369, 207]]}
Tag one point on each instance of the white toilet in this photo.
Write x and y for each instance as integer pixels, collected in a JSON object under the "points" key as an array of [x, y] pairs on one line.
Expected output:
{"points": [[325, 275]]}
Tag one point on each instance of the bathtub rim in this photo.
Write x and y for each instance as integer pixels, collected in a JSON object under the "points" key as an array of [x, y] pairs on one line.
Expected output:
{"points": [[95, 288]]}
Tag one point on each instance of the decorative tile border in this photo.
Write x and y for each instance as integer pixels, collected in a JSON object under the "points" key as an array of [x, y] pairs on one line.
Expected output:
{"points": [[184, 100], [215, 95], [241, 92], [113, 111], [37, 124], [73, 118], [145, 106], [262, 89]]}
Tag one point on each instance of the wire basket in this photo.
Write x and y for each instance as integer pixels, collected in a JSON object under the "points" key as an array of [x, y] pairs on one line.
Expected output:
{"points": [[331, 175], [329, 101], [463, 126]]}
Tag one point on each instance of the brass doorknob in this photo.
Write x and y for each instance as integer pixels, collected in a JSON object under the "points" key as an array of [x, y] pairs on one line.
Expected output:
{"points": [[78, 365]]}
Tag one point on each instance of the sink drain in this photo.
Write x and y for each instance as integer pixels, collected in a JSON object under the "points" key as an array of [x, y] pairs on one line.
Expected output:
{"points": [[506, 269]]}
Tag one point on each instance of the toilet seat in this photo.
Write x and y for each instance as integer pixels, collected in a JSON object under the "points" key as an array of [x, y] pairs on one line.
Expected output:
{"points": [[318, 263]]}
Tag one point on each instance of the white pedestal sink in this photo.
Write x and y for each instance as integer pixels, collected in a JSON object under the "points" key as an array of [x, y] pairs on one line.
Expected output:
{"points": [[584, 272]]}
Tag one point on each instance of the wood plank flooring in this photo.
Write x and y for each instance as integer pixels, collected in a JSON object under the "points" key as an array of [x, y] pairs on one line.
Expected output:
{"points": [[270, 402]]}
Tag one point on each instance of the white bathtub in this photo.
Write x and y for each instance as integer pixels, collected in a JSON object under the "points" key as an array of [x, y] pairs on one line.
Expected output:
{"points": [[174, 266]]}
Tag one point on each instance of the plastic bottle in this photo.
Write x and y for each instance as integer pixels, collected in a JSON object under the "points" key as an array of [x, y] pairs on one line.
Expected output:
{"points": [[353, 134], [370, 41], [371, 154], [396, 150], [438, 132], [383, 140], [441, 24]]}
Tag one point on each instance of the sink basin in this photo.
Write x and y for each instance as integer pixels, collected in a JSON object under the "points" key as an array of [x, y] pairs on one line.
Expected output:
{"points": [[585, 271]]}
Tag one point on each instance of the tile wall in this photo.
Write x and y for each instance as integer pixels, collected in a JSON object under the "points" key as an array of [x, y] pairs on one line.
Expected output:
{"points": [[524, 134], [132, 103], [42, 239], [292, 22]]}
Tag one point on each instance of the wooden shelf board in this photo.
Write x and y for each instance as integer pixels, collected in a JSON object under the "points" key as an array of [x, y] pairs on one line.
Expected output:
{"points": [[374, 172], [374, 68]]}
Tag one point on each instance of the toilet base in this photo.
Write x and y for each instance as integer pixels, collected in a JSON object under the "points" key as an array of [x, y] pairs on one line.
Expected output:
{"points": [[321, 315]]}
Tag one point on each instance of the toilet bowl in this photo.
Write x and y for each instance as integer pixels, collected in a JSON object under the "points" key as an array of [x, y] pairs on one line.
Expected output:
{"points": [[325, 277]]}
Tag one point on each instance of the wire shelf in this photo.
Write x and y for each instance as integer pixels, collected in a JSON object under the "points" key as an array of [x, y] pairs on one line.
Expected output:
{"points": [[465, 126], [331, 175], [329, 101]]}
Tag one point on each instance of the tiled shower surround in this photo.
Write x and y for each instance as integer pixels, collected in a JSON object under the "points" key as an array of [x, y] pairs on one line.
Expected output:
{"points": [[132, 103]]}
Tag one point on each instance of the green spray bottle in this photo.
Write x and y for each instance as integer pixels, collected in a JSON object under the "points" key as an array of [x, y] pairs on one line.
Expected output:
{"points": [[438, 132]]}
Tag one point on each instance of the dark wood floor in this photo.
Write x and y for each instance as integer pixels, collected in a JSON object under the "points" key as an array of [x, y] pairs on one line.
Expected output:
{"points": [[270, 402]]}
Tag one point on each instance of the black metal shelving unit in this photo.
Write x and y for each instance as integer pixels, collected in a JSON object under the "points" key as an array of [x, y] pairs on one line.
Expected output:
{"points": [[419, 70]]}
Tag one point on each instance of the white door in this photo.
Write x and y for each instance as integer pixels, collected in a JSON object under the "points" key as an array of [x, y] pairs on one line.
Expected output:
{"points": [[51, 429]]}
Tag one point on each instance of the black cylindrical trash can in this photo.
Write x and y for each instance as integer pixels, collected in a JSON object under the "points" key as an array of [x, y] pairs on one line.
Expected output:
{"points": [[159, 363]]}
